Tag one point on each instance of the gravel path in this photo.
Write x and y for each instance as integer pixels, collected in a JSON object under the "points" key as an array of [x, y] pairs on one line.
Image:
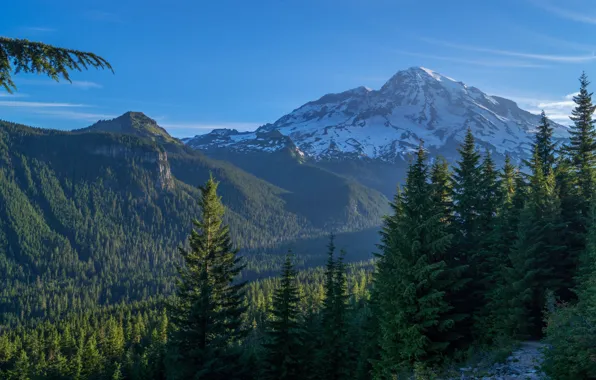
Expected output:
{"points": [[522, 364]]}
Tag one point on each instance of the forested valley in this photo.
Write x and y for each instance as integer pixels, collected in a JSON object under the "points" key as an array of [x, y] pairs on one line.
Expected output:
{"points": [[120, 260]]}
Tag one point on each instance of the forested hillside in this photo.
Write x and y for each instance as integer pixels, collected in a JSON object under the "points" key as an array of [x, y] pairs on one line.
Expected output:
{"points": [[92, 218]]}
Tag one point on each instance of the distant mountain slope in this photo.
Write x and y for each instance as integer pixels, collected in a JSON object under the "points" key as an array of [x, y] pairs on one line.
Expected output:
{"points": [[387, 124], [99, 215], [132, 123]]}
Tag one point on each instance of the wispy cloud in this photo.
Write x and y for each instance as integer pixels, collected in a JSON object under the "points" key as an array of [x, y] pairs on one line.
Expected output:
{"points": [[38, 29], [103, 16], [24, 104], [555, 42], [486, 63], [74, 115], [565, 13], [557, 110], [17, 95], [540, 57], [85, 85]]}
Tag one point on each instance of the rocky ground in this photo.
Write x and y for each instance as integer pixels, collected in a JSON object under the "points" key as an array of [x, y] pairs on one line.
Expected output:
{"points": [[522, 364]]}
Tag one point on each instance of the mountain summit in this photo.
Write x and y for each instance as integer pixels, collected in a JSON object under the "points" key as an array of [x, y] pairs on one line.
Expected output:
{"points": [[131, 123], [387, 124]]}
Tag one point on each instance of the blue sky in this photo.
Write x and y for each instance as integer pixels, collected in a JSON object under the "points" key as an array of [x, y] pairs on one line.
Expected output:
{"points": [[198, 65]]}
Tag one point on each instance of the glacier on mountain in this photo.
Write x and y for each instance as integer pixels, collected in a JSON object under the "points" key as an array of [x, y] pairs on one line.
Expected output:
{"points": [[387, 124]]}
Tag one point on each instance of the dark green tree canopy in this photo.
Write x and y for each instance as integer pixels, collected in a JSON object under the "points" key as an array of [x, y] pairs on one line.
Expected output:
{"points": [[18, 55]]}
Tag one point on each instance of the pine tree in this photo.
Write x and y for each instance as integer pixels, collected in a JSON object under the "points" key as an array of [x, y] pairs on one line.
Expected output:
{"points": [[489, 194], [412, 279], [545, 145], [207, 314], [536, 256], [284, 335], [466, 193], [17, 55], [512, 201], [442, 190], [575, 182], [469, 224], [582, 142], [334, 358]]}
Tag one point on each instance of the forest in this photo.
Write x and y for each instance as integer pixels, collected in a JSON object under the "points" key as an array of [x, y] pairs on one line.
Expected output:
{"points": [[472, 258]]}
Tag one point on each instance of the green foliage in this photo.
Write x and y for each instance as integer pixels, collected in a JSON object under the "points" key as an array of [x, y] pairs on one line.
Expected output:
{"points": [[208, 309], [334, 358], [285, 339], [35, 57], [414, 274], [90, 219]]}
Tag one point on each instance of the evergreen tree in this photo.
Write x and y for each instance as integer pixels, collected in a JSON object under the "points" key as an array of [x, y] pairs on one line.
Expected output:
{"points": [[545, 145], [442, 190], [466, 181], [334, 359], [17, 55], [207, 314], [284, 335], [412, 280], [575, 182], [469, 224], [489, 194], [536, 256], [582, 143]]}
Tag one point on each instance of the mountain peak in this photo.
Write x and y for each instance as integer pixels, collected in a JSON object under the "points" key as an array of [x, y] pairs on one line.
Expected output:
{"points": [[415, 104], [132, 123]]}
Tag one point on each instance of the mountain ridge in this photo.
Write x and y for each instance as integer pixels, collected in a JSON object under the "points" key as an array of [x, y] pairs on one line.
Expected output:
{"points": [[387, 124]]}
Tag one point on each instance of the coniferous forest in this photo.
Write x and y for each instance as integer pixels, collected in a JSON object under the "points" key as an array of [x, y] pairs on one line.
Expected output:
{"points": [[473, 258]]}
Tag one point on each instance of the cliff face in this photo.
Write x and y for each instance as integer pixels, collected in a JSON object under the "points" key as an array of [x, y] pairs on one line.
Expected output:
{"points": [[157, 160]]}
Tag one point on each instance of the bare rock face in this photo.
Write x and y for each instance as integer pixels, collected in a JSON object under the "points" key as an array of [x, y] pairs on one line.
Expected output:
{"points": [[155, 158]]}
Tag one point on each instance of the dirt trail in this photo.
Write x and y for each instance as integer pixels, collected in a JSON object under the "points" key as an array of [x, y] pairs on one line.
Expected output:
{"points": [[522, 364]]}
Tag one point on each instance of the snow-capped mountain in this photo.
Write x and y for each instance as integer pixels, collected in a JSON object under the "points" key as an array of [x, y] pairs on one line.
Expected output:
{"points": [[387, 124]]}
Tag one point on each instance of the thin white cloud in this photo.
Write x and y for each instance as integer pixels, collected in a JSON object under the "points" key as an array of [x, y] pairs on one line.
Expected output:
{"points": [[103, 16], [85, 85], [565, 13], [571, 96], [23, 104], [17, 95], [487, 63], [74, 115], [540, 57], [39, 29], [556, 42], [557, 110]]}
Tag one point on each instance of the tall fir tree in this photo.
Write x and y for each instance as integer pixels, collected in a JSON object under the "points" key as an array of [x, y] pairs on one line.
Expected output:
{"points": [[283, 349], [582, 142], [412, 280], [575, 181], [512, 201], [441, 188], [334, 358], [467, 195], [545, 145], [489, 194], [537, 255], [207, 312]]}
